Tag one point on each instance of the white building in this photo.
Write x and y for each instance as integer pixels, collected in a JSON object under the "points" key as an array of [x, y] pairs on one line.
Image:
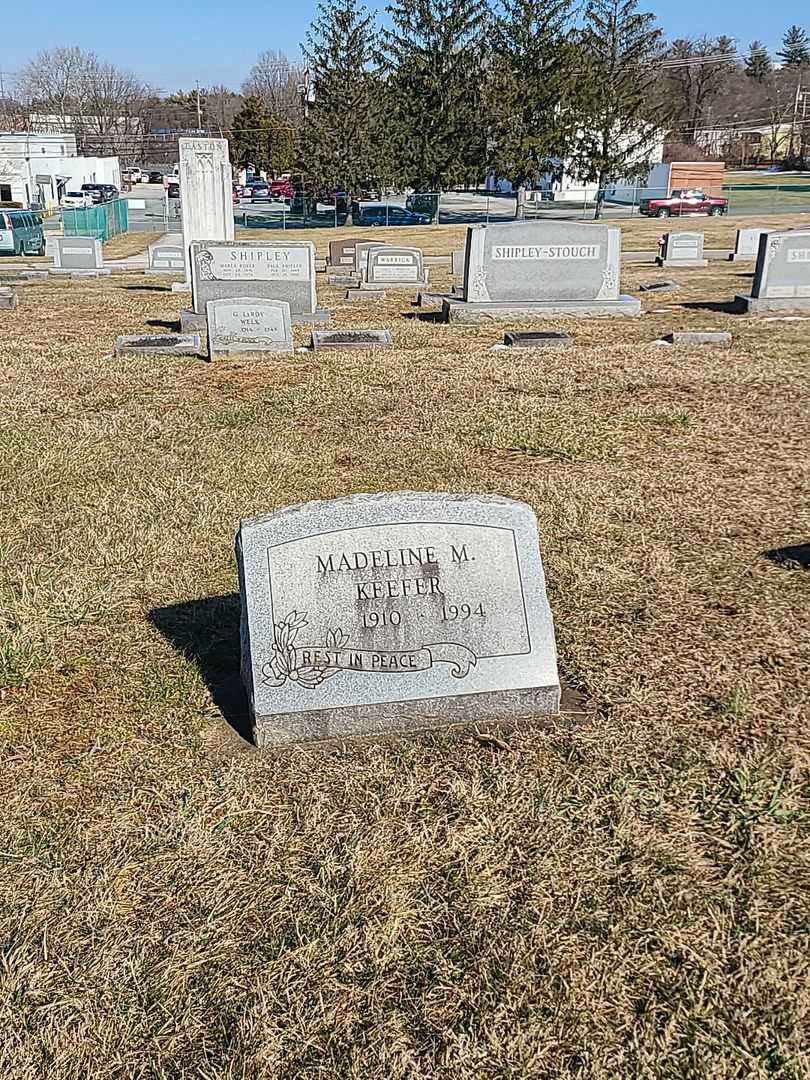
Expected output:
{"points": [[39, 168]]}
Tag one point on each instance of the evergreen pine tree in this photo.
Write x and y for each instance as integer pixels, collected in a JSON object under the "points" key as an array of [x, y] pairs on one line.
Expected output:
{"points": [[620, 48], [758, 63], [795, 51], [341, 130], [433, 59], [251, 135], [531, 77]]}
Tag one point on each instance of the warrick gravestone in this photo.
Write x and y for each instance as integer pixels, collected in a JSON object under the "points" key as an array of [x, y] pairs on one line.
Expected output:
{"points": [[386, 613]]}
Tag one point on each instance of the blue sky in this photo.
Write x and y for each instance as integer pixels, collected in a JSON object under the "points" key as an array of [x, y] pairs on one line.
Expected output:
{"points": [[170, 43]]}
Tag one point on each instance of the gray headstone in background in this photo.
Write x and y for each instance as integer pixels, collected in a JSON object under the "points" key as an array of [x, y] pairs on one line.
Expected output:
{"points": [[682, 249], [166, 255], [385, 613], [532, 269], [350, 339], [394, 267], [77, 253], [8, 299], [746, 244], [171, 344], [457, 263], [277, 270], [361, 251], [341, 252], [248, 324], [782, 277]]}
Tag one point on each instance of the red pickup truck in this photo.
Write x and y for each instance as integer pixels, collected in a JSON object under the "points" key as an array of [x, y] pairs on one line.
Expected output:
{"points": [[684, 201]]}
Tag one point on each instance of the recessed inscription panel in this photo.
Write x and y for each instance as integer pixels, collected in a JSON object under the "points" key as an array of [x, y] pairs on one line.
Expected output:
{"points": [[394, 611]]}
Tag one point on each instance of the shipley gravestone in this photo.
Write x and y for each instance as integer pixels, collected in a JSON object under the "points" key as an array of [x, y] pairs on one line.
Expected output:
{"points": [[782, 277], [746, 244], [248, 324], [384, 613], [283, 270], [682, 249], [535, 269]]}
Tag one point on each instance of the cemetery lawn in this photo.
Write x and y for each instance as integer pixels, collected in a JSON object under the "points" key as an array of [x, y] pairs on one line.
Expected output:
{"points": [[626, 898]]}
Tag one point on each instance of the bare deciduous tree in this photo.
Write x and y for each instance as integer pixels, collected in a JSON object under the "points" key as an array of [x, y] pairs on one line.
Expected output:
{"points": [[73, 90], [275, 79]]}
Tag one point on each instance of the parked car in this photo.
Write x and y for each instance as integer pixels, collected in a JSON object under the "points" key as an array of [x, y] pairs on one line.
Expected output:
{"points": [[388, 215], [684, 201], [135, 175], [95, 191], [155, 176], [282, 189], [21, 233], [76, 200], [173, 189], [259, 190]]}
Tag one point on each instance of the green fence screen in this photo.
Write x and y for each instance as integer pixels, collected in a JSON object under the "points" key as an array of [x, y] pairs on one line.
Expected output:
{"points": [[102, 221]]}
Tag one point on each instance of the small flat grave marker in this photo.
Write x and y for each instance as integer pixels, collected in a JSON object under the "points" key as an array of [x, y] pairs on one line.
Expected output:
{"points": [[170, 344], [658, 286], [698, 337], [383, 613], [531, 339], [350, 339], [248, 324]]}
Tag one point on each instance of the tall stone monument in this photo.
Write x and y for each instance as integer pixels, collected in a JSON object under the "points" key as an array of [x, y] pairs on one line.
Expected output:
{"points": [[206, 186]]}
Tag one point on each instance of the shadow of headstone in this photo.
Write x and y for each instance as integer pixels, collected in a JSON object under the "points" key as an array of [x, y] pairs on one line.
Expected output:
{"points": [[796, 554], [207, 632]]}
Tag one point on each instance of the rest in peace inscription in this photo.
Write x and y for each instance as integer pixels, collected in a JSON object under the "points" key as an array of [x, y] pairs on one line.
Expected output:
{"points": [[395, 600]]}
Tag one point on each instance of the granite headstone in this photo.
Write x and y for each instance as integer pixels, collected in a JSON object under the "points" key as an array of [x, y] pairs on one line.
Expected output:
{"points": [[248, 324], [682, 249], [782, 277], [746, 244], [206, 184], [536, 269], [166, 256], [384, 613], [394, 268], [77, 253]]}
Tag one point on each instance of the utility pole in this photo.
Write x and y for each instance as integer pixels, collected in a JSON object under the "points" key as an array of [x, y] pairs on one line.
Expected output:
{"points": [[199, 110]]}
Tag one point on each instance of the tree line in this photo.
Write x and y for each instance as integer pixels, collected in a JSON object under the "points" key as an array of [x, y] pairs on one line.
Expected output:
{"points": [[447, 92]]}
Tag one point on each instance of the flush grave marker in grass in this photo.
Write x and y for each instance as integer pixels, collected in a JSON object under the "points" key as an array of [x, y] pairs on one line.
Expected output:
{"points": [[386, 613]]}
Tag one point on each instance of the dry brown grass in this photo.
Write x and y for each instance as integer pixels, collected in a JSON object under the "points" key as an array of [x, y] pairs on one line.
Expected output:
{"points": [[627, 900], [134, 243]]}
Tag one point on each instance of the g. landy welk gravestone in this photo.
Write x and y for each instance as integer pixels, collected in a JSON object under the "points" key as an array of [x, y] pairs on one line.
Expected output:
{"points": [[248, 324], [385, 613], [782, 276], [535, 269]]}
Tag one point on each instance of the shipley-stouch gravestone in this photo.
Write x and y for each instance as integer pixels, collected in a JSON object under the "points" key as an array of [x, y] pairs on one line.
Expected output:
{"points": [[383, 613], [534, 269]]}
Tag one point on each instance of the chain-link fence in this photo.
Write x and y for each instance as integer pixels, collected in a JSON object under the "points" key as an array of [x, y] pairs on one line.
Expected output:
{"points": [[307, 208], [101, 222]]}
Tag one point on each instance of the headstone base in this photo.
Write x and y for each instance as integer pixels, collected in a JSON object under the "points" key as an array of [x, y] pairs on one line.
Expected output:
{"points": [[280, 729], [181, 286], [162, 273], [741, 258], [372, 286], [349, 280], [58, 271], [365, 294], [8, 300], [191, 321], [673, 264], [752, 304], [432, 301], [462, 312]]}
